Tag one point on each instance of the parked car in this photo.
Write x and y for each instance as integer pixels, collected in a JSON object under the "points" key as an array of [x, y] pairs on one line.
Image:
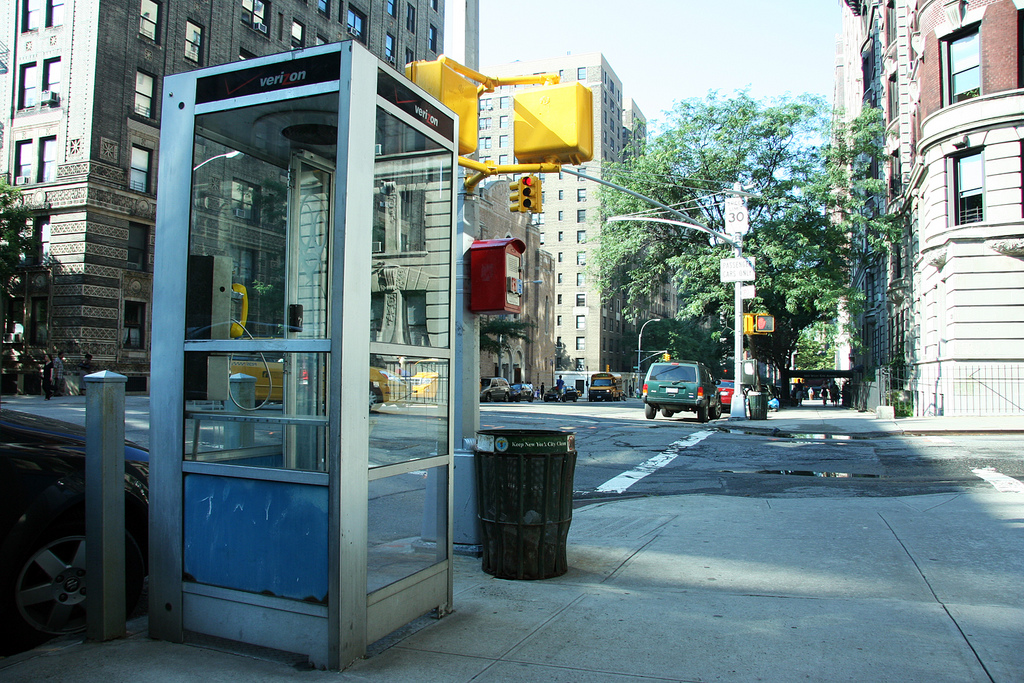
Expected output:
{"points": [[725, 389], [42, 529], [678, 386], [568, 394], [495, 389], [522, 392]]}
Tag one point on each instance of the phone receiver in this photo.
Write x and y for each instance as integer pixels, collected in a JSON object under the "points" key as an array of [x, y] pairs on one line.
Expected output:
{"points": [[238, 328]]}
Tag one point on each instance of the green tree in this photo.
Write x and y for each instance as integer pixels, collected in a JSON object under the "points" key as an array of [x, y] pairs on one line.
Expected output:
{"points": [[800, 185], [493, 329], [15, 241]]}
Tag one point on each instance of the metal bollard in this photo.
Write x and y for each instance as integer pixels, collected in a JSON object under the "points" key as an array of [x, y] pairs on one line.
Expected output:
{"points": [[104, 505]]}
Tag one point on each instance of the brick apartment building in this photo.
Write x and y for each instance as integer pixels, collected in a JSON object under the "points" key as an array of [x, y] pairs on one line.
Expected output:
{"points": [[80, 137], [943, 323]]}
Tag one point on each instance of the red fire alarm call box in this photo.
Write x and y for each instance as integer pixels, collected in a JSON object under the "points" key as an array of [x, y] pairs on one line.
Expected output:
{"points": [[495, 275]]}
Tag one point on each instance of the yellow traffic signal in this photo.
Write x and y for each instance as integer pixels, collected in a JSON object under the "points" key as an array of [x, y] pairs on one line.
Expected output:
{"points": [[525, 195], [666, 357], [760, 323], [763, 324], [457, 92]]}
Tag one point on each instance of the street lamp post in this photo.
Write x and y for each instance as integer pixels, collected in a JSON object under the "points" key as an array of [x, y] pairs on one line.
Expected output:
{"points": [[226, 155], [640, 346]]}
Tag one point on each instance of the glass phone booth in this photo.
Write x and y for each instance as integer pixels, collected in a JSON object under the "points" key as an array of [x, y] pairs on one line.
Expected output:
{"points": [[302, 345]]}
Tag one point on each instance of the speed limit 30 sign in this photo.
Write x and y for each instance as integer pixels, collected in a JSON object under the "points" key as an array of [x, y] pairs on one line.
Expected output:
{"points": [[736, 221]]}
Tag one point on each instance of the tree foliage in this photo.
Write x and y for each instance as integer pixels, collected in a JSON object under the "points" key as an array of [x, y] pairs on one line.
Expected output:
{"points": [[800, 185], [15, 239], [493, 328]]}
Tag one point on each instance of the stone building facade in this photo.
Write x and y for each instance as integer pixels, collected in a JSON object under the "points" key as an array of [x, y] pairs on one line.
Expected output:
{"points": [[944, 323], [80, 138]]}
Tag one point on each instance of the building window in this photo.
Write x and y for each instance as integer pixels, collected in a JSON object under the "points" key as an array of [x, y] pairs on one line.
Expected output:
{"points": [[485, 143], [29, 86], [581, 299], [505, 102], [23, 162], [149, 20], [389, 47], [410, 17], [963, 67], [581, 215], [134, 320], [581, 343], [559, 278], [581, 73], [298, 35], [320, 40], [392, 6], [47, 159], [581, 258], [242, 194], [560, 257], [503, 122], [255, 14], [51, 76], [143, 94], [324, 7], [410, 57], [581, 236], [31, 13], [139, 180], [193, 42], [581, 194], [581, 279], [969, 182], [485, 123], [502, 159], [357, 24], [39, 328], [561, 236], [561, 214], [55, 13], [433, 5], [432, 39], [581, 322], [138, 243]]}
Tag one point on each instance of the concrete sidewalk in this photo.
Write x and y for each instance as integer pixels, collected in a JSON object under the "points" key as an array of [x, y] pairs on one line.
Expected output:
{"points": [[687, 588]]}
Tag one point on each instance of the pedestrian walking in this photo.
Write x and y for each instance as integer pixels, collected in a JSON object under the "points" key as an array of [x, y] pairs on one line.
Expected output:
{"points": [[833, 392], [824, 395], [58, 374], [84, 368], [47, 376]]}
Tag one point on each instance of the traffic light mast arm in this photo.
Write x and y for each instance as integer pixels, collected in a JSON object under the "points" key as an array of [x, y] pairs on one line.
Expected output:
{"points": [[488, 169], [489, 83]]}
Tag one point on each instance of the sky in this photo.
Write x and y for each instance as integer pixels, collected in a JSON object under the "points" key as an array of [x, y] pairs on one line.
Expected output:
{"points": [[669, 50]]}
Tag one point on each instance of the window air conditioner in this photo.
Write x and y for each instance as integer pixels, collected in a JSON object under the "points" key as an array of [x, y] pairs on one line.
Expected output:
{"points": [[242, 213], [378, 248], [353, 31], [50, 98], [22, 180], [259, 26], [391, 59]]}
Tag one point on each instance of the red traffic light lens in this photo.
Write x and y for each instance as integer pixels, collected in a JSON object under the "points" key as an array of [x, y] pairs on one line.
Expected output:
{"points": [[527, 181]]}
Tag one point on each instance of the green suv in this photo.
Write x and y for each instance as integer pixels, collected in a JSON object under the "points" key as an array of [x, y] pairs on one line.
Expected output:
{"points": [[678, 386]]}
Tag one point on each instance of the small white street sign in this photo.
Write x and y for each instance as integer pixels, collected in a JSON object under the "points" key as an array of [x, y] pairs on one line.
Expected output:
{"points": [[737, 269], [736, 221], [748, 292]]}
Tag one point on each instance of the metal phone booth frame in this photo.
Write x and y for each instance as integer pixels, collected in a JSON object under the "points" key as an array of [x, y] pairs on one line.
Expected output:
{"points": [[302, 413]]}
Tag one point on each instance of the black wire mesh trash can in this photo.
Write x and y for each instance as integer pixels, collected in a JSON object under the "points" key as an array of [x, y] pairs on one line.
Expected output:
{"points": [[758, 403], [524, 489]]}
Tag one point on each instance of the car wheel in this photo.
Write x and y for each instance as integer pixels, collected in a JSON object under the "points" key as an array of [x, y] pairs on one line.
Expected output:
{"points": [[508, 397], [48, 591], [716, 412], [485, 398], [665, 412], [702, 414], [650, 411]]}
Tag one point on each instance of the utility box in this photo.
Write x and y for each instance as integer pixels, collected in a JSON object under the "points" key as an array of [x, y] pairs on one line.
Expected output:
{"points": [[496, 284], [554, 125]]}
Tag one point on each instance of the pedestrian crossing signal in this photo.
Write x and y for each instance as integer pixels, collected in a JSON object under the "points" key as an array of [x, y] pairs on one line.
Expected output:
{"points": [[758, 324]]}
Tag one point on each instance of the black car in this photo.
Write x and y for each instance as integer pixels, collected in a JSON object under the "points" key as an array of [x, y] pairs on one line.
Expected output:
{"points": [[568, 394], [42, 529]]}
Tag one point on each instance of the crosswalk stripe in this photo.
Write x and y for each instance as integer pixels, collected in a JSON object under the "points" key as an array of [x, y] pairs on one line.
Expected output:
{"points": [[1003, 483], [620, 483]]}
